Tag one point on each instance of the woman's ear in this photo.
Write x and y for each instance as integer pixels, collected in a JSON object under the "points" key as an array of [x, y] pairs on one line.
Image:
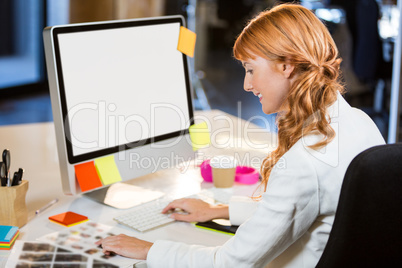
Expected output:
{"points": [[286, 69]]}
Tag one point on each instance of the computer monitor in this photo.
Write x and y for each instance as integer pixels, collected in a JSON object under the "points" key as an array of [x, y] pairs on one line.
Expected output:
{"points": [[122, 89]]}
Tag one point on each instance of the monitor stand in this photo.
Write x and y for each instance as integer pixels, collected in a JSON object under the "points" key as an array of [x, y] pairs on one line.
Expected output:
{"points": [[122, 195]]}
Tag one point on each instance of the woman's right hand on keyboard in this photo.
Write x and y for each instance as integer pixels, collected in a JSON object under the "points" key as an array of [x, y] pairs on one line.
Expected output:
{"points": [[195, 210]]}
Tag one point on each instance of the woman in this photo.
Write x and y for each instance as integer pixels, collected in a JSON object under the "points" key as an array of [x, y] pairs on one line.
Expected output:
{"points": [[292, 66]]}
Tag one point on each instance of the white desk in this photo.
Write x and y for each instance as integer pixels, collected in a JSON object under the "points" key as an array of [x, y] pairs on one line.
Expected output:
{"points": [[33, 147]]}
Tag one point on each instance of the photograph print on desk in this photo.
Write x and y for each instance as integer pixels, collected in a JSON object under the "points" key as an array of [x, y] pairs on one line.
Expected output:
{"points": [[39, 254], [81, 239]]}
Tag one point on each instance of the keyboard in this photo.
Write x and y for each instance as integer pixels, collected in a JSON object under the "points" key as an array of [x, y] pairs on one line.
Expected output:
{"points": [[148, 216]]}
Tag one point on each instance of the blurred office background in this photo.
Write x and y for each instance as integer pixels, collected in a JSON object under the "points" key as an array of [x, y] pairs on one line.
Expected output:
{"points": [[365, 31]]}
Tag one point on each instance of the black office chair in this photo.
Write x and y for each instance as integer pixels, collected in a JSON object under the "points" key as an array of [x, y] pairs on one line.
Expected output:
{"points": [[367, 230]]}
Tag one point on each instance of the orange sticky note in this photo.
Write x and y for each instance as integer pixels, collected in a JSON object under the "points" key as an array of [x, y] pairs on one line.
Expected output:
{"points": [[87, 176], [68, 218], [107, 170], [186, 43]]}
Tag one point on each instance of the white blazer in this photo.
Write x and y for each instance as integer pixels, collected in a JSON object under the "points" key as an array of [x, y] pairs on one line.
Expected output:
{"points": [[291, 224]]}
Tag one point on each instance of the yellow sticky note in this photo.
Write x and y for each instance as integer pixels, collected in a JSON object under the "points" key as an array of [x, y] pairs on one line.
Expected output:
{"points": [[186, 43], [200, 136], [107, 170]]}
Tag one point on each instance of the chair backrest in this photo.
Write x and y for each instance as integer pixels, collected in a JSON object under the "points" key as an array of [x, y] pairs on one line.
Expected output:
{"points": [[367, 230]]}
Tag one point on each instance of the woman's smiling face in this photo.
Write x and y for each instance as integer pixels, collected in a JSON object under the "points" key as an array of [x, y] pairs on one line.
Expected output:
{"points": [[269, 81]]}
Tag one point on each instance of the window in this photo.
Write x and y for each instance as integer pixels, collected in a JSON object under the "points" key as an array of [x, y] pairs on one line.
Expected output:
{"points": [[22, 59]]}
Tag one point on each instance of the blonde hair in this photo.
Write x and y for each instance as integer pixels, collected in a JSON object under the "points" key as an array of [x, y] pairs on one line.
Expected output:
{"points": [[291, 33]]}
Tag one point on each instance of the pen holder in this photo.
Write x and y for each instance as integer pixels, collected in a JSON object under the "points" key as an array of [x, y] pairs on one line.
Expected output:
{"points": [[13, 209]]}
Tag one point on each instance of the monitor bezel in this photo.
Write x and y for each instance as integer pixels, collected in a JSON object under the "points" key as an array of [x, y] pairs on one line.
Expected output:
{"points": [[72, 28]]}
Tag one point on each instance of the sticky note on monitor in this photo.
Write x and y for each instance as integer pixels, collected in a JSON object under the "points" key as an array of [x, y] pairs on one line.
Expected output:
{"points": [[107, 170], [200, 136], [87, 176], [186, 43]]}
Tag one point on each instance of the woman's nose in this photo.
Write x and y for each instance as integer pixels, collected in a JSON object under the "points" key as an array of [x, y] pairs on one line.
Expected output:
{"points": [[247, 85]]}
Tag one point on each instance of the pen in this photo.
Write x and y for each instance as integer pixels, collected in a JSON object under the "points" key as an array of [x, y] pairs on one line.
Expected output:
{"points": [[48, 205]]}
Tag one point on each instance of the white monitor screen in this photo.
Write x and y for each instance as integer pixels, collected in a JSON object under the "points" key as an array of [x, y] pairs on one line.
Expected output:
{"points": [[121, 86]]}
